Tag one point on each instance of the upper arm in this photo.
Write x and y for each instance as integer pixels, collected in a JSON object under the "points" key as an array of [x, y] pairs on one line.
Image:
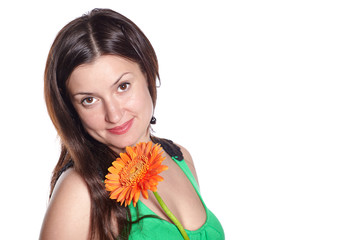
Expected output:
{"points": [[189, 161], [68, 213]]}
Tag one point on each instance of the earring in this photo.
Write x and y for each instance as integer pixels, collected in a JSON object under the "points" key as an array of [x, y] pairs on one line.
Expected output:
{"points": [[153, 120]]}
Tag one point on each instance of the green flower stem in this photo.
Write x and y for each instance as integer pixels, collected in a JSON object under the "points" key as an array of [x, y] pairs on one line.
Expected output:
{"points": [[171, 216]]}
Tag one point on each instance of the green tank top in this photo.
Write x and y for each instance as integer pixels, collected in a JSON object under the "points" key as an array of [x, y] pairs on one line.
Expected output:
{"points": [[154, 228]]}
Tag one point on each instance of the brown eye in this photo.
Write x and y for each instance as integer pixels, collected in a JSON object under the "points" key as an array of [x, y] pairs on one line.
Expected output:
{"points": [[123, 87], [88, 101]]}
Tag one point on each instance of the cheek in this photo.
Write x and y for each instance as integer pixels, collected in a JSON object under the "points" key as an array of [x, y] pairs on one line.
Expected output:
{"points": [[147, 104], [90, 121], [142, 104]]}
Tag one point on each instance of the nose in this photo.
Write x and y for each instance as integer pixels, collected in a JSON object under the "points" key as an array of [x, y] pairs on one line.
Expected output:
{"points": [[113, 112]]}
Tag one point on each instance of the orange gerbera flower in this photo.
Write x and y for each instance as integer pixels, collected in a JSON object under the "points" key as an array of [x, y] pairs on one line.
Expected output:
{"points": [[135, 171]]}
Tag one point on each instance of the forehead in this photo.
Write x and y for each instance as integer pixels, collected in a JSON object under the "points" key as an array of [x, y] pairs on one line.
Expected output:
{"points": [[105, 69]]}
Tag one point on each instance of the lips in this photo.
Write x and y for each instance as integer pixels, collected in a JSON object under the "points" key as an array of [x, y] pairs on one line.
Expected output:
{"points": [[122, 129]]}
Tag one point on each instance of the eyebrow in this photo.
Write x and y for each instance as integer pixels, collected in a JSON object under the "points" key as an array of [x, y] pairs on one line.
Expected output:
{"points": [[118, 80], [115, 83]]}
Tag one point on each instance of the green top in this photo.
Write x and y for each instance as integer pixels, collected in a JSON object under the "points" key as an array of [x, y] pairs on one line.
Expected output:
{"points": [[154, 228]]}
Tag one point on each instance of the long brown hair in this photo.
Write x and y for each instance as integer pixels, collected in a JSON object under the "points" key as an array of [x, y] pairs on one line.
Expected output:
{"points": [[100, 32]]}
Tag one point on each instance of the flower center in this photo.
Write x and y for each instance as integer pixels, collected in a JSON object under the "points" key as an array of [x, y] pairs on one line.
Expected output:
{"points": [[135, 170]]}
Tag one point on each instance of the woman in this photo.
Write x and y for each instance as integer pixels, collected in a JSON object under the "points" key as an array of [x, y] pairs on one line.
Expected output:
{"points": [[100, 91]]}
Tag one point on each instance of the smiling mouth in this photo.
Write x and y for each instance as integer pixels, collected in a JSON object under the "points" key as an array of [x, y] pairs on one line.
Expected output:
{"points": [[122, 129]]}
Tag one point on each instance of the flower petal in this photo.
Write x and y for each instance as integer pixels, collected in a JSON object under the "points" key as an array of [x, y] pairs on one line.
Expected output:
{"points": [[112, 176], [145, 194], [136, 198], [122, 195], [115, 193], [158, 178], [118, 165], [131, 153]]}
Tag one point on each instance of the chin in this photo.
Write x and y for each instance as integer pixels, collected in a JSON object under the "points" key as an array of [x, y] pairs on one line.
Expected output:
{"points": [[120, 143], [120, 147]]}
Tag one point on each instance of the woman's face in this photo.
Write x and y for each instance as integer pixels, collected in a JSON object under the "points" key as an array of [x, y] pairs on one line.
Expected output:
{"points": [[112, 99]]}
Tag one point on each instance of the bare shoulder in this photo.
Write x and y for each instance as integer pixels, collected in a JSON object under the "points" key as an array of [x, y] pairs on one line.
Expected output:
{"points": [[189, 161], [68, 213]]}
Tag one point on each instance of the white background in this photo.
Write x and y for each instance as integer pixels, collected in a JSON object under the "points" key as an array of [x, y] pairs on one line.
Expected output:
{"points": [[264, 94]]}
